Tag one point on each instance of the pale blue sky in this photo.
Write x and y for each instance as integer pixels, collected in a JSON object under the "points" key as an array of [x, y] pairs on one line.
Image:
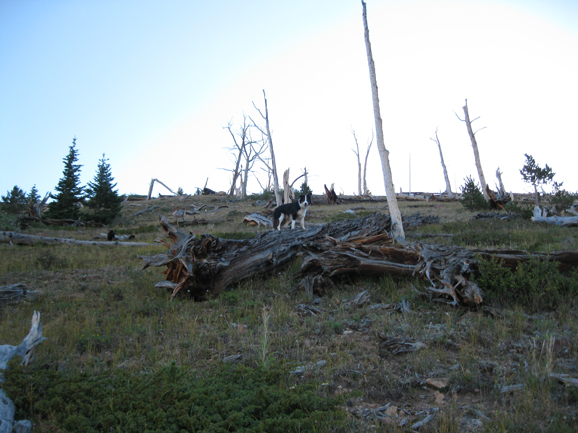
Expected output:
{"points": [[152, 84]]}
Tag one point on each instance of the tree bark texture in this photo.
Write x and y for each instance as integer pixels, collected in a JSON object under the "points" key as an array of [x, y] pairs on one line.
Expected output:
{"points": [[398, 232], [205, 267]]}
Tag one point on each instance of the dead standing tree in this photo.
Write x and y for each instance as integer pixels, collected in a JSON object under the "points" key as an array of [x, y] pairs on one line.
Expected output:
{"points": [[359, 178], [397, 225], [472, 135], [267, 133], [242, 140], [251, 153], [448, 185]]}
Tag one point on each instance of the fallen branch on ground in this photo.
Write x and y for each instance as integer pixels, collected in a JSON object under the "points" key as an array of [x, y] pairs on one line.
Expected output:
{"points": [[21, 239]]}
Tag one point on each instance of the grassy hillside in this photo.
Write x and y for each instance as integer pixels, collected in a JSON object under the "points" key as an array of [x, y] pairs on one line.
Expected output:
{"points": [[120, 356]]}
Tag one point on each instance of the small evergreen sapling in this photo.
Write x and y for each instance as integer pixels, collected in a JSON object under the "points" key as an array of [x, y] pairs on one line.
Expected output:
{"points": [[66, 204], [472, 197], [101, 196]]}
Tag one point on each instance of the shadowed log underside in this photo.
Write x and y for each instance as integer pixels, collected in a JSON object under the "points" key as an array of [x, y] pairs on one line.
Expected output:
{"points": [[205, 267]]}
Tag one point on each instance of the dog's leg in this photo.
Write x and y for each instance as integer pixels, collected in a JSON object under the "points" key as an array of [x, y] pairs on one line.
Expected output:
{"points": [[292, 224], [281, 218]]}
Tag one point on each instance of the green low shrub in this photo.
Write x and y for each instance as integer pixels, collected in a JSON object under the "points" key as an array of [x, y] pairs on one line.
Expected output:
{"points": [[171, 399], [536, 284]]}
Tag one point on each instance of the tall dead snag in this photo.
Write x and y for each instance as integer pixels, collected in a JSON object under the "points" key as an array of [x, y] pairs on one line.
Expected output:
{"points": [[472, 135], [397, 225], [356, 152], [267, 133], [365, 190], [237, 150], [446, 177]]}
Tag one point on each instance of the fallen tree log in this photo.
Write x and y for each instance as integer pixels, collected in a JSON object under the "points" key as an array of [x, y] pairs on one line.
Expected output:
{"points": [[571, 221], [22, 239], [24, 221], [205, 267]]}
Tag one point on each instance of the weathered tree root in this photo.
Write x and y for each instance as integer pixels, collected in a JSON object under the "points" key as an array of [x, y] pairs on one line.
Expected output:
{"points": [[363, 246]]}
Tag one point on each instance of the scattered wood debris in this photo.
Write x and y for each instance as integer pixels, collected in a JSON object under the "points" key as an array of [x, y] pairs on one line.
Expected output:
{"points": [[256, 219], [398, 345]]}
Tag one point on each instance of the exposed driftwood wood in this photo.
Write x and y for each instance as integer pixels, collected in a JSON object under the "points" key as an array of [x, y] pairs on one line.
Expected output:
{"points": [[150, 209], [256, 219], [21, 239], [570, 221], [14, 293], [364, 246], [26, 351]]}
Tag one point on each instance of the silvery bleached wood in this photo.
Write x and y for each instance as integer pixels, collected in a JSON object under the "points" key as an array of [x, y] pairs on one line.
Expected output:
{"points": [[446, 177], [26, 351], [397, 225]]}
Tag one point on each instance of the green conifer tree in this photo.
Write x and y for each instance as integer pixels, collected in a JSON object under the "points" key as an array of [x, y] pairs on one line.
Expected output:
{"points": [[66, 204], [14, 201], [33, 196], [101, 196]]}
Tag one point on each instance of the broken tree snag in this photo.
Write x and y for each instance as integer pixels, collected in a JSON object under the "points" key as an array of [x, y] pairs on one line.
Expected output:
{"points": [[497, 200], [330, 195]]}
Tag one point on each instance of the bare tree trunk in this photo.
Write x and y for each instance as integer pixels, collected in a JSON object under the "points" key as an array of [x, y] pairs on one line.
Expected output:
{"points": [[365, 191], [499, 176], [472, 135], [397, 225], [448, 185], [286, 187], [356, 152], [270, 140]]}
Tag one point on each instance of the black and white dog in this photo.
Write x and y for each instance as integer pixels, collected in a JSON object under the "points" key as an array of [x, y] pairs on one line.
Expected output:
{"points": [[292, 212]]}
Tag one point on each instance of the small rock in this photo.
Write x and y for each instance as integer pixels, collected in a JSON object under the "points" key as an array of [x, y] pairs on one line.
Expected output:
{"points": [[439, 383]]}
